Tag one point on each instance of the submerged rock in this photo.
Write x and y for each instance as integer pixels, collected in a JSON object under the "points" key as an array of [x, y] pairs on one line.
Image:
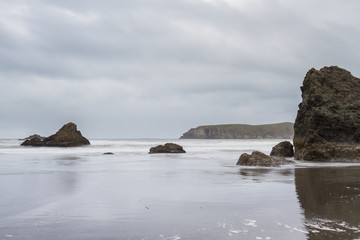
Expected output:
{"points": [[167, 148], [327, 126], [260, 159], [67, 136], [283, 149]]}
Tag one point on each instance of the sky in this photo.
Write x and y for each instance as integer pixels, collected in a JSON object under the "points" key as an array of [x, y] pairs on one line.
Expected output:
{"points": [[156, 68]]}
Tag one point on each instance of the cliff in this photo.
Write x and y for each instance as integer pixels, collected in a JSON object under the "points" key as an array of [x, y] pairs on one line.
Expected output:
{"points": [[241, 131], [327, 126]]}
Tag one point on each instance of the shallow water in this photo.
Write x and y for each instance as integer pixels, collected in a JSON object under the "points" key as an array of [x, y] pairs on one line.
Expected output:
{"points": [[79, 193]]}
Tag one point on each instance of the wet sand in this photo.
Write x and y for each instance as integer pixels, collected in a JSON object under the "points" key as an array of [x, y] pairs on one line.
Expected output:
{"points": [[82, 194]]}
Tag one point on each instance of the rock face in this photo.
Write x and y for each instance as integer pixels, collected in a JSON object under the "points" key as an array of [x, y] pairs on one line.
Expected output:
{"points": [[283, 149], [260, 159], [242, 131], [327, 126], [167, 148], [67, 136]]}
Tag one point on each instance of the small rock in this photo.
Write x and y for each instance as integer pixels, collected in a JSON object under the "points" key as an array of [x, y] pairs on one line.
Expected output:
{"points": [[108, 153], [283, 149], [33, 136], [35, 141], [167, 148], [260, 159]]}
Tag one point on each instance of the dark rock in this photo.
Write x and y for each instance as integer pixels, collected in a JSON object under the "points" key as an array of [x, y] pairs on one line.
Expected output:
{"points": [[35, 141], [167, 148], [33, 136], [327, 126], [67, 136], [108, 153], [283, 149], [260, 159]]}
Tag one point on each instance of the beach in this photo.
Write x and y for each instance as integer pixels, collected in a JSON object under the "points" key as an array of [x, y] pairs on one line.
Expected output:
{"points": [[80, 193]]}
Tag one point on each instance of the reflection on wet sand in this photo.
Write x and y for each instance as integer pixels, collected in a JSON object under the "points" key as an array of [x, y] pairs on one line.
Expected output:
{"points": [[330, 199], [255, 172], [265, 174]]}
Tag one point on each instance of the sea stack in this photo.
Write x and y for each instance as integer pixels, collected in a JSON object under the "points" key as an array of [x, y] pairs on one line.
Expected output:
{"points": [[327, 126], [67, 136]]}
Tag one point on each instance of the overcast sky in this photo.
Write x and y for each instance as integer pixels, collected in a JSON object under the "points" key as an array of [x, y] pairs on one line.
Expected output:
{"points": [[156, 68]]}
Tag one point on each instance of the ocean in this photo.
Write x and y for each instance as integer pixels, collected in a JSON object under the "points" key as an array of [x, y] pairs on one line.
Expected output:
{"points": [[80, 193]]}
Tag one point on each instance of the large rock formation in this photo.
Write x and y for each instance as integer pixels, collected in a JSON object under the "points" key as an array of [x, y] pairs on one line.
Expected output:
{"points": [[260, 159], [67, 136], [167, 148], [242, 131], [327, 125], [283, 149]]}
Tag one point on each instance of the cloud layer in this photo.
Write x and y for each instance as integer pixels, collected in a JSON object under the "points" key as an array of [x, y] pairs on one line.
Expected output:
{"points": [[155, 68]]}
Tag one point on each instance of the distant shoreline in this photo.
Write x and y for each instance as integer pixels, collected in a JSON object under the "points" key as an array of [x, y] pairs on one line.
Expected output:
{"points": [[283, 130]]}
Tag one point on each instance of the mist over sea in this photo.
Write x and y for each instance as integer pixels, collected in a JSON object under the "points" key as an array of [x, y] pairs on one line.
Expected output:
{"points": [[80, 193]]}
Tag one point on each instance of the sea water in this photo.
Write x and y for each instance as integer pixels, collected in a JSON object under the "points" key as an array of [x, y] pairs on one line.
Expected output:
{"points": [[80, 193]]}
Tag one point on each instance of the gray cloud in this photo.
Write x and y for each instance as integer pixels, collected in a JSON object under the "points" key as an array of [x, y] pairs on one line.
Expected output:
{"points": [[155, 68]]}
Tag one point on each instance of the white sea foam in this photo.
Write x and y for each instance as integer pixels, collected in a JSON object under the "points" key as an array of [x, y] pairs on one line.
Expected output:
{"points": [[317, 224], [225, 149], [163, 237], [250, 222]]}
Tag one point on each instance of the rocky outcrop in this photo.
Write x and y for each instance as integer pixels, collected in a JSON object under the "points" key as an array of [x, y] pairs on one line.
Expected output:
{"points": [[260, 159], [327, 126], [167, 148], [241, 131], [283, 149], [67, 136]]}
